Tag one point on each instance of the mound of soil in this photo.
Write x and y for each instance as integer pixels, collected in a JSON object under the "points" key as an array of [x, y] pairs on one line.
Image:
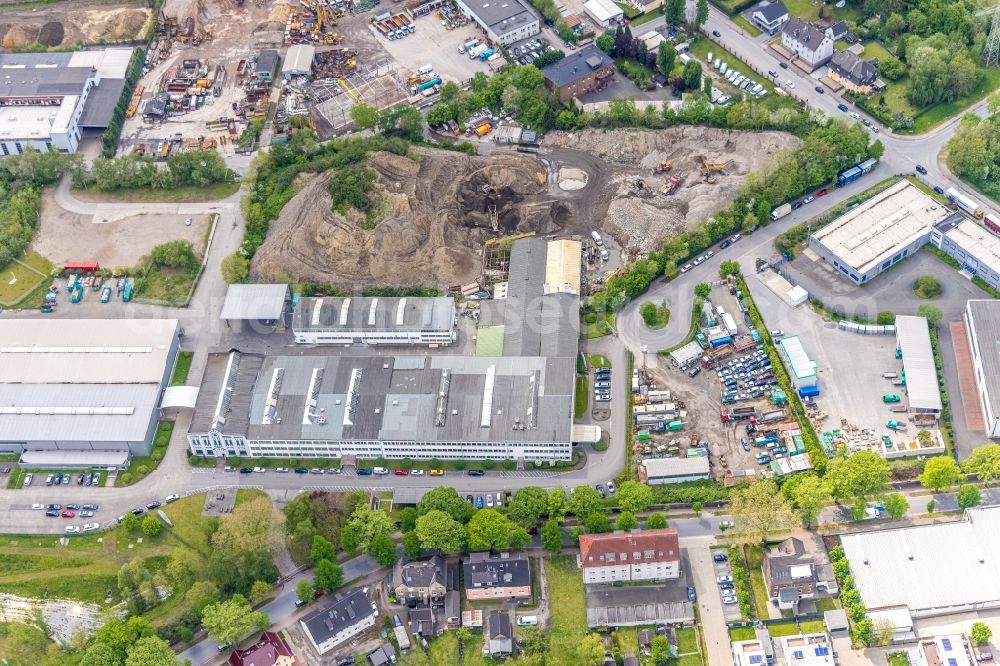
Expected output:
{"points": [[640, 219], [441, 209], [51, 34], [129, 23], [21, 35]]}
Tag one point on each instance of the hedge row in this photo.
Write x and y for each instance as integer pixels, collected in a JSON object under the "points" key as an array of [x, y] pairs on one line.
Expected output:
{"points": [[109, 139]]}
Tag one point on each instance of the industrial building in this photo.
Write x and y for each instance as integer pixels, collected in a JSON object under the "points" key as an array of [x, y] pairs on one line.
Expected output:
{"points": [[515, 404], [891, 568], [880, 232], [579, 73], [656, 471], [375, 321], [604, 12], [913, 340], [982, 322], [82, 393], [801, 368], [261, 304], [47, 100], [503, 22], [975, 247], [298, 61]]}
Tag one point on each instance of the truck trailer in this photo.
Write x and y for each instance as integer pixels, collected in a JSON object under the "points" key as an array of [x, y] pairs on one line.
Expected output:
{"points": [[970, 206], [783, 210]]}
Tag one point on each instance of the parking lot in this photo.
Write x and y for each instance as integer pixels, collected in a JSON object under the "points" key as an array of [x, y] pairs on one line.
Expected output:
{"points": [[727, 595], [433, 44]]}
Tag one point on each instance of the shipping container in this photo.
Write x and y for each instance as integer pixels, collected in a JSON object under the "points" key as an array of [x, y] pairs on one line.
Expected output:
{"points": [[849, 176]]}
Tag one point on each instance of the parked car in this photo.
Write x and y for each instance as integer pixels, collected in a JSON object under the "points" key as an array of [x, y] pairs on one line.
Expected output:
{"points": [[937, 188], [281, 470], [303, 470], [138, 511], [153, 505], [364, 472], [417, 472], [716, 34], [401, 472], [479, 501], [437, 472], [694, 371], [86, 514], [784, 65], [809, 199], [171, 498], [90, 527], [72, 529], [724, 579], [52, 514], [600, 490], [842, 107], [611, 487], [691, 594], [720, 557], [489, 501], [921, 169], [476, 472], [380, 471], [820, 90], [68, 514], [729, 599]]}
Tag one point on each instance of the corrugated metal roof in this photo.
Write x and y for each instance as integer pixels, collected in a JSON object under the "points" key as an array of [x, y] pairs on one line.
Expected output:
{"points": [[374, 314], [801, 365], [931, 569], [254, 301], [299, 59], [914, 339]]}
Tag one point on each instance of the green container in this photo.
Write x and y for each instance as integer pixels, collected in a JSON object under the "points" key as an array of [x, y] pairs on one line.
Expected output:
{"points": [[643, 435], [675, 425]]}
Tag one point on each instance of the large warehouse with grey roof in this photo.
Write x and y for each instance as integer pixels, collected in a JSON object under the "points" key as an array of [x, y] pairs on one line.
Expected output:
{"points": [[375, 321], [515, 403]]}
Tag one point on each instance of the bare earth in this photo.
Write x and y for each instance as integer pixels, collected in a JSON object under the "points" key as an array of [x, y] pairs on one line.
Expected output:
{"points": [[64, 236], [71, 22]]}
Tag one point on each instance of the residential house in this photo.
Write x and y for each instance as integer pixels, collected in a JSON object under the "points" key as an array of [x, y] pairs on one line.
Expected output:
{"points": [[809, 43], [270, 650], [502, 577], [579, 73], [420, 581], [347, 615], [644, 6], [631, 556], [852, 72], [788, 566], [837, 30], [499, 635], [770, 16]]}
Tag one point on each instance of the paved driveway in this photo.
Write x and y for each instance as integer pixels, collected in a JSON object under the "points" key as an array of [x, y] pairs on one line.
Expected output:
{"points": [[713, 621]]}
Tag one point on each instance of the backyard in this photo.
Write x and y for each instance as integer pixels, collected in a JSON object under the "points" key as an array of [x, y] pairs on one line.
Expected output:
{"points": [[569, 610], [582, 396]]}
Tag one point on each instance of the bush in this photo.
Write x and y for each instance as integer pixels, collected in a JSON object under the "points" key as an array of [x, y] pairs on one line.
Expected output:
{"points": [[885, 318], [648, 312], [927, 286]]}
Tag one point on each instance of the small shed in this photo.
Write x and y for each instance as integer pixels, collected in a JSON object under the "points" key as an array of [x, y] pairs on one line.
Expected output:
{"points": [[267, 64], [298, 61], [257, 303], [836, 621]]}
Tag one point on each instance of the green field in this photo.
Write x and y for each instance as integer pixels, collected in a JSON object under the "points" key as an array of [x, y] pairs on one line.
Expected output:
{"points": [[598, 361], [761, 598], [701, 47], [569, 610], [751, 29], [140, 466], [808, 10], [582, 395], [21, 277], [182, 368], [166, 285], [87, 568], [687, 641], [742, 633]]}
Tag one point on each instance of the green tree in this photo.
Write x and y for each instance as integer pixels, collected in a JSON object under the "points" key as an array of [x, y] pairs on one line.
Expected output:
{"points": [[322, 549], [980, 633], [606, 43], [411, 545], [100, 654], [648, 312], [692, 75], [701, 14], [230, 620], [634, 496], [809, 496], [369, 523], [659, 650], [584, 501], [259, 591], [489, 530], [590, 651], [968, 496], [758, 509], [674, 11], [626, 521], [876, 150], [940, 473], [896, 505], [351, 188], [557, 502], [383, 549], [533, 641], [729, 267], [329, 576], [151, 526], [706, 81], [175, 254], [931, 505], [130, 522], [364, 116], [447, 500], [151, 651], [665, 55], [932, 314], [437, 530], [862, 475], [408, 519], [598, 523], [304, 591], [927, 286], [527, 505], [201, 594], [656, 521], [551, 536], [235, 268], [703, 290], [519, 537], [885, 318], [984, 462]]}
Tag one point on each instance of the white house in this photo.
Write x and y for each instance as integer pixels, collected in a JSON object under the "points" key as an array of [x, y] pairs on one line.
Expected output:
{"points": [[770, 16], [809, 43]]}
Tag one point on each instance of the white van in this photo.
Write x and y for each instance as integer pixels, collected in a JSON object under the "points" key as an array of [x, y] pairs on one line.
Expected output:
{"points": [[426, 69], [527, 621], [724, 69], [382, 471], [597, 237]]}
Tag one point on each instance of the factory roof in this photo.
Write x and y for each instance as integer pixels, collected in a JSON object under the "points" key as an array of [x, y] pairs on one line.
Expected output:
{"points": [[254, 301], [91, 351], [36, 122], [801, 365], [666, 467], [914, 340], [299, 59], [374, 314], [16, 81], [226, 388], [985, 325], [977, 241], [874, 231], [891, 568], [110, 63], [502, 16], [563, 260], [603, 11], [101, 103], [267, 62], [576, 65]]}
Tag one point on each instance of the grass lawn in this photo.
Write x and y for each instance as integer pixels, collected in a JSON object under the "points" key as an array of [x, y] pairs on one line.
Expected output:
{"points": [[166, 285], [443, 651], [875, 50], [808, 10], [212, 192], [26, 645], [824, 604], [812, 626], [761, 598], [701, 47], [742, 634], [569, 609], [751, 29], [582, 395], [645, 18], [598, 361], [182, 368], [28, 274], [244, 495], [689, 660], [598, 329], [783, 629], [38, 566], [140, 466], [687, 640], [939, 113], [897, 659]]}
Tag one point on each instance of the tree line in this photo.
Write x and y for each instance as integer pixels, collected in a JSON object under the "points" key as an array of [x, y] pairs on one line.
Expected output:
{"points": [[132, 172], [22, 178], [973, 152]]}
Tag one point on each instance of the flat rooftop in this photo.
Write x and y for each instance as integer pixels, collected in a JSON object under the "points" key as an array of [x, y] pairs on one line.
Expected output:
{"points": [[84, 351], [36, 122], [576, 65], [914, 340], [871, 233], [801, 365], [502, 16], [374, 314], [563, 266], [977, 241], [985, 315]]}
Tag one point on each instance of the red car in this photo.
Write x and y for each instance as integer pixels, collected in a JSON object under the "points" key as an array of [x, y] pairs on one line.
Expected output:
{"points": [[68, 514], [402, 472], [822, 193]]}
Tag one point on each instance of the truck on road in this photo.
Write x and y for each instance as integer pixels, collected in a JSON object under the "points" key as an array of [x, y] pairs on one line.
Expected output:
{"points": [[970, 206], [781, 211]]}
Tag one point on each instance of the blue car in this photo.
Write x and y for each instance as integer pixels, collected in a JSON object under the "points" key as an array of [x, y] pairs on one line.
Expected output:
{"points": [[479, 501], [364, 472], [842, 107]]}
